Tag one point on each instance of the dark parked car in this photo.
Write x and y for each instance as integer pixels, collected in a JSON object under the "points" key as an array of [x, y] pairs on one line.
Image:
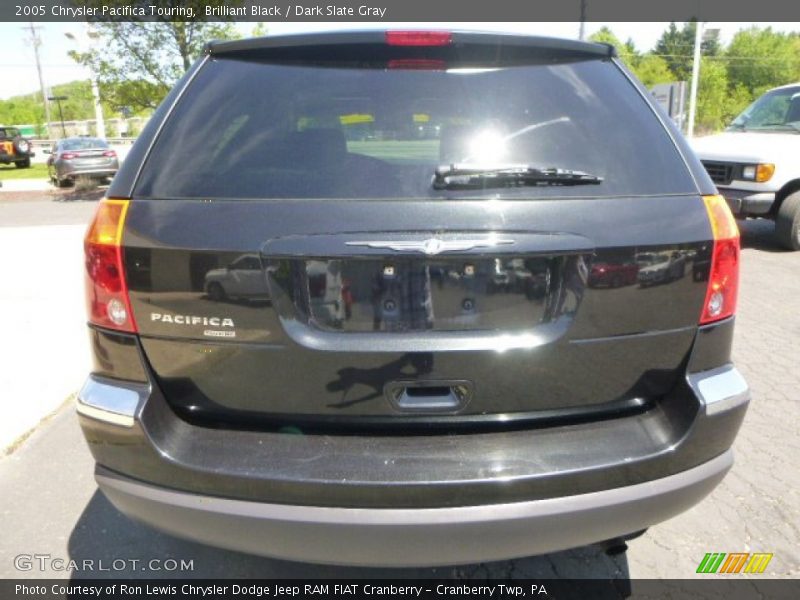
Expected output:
{"points": [[75, 157], [14, 148], [433, 379], [613, 274], [660, 267]]}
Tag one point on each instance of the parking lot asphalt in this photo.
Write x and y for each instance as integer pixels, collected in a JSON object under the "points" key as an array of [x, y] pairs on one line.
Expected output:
{"points": [[45, 349], [50, 506]]}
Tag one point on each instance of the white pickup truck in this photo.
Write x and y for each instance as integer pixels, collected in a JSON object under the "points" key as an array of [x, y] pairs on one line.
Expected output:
{"points": [[755, 162]]}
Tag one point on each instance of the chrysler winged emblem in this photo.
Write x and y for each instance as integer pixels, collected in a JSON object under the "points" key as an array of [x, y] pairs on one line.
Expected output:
{"points": [[433, 246]]}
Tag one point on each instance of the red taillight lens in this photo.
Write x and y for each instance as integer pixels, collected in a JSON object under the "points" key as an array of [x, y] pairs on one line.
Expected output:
{"points": [[109, 153], [68, 155], [723, 279], [419, 38], [106, 291]]}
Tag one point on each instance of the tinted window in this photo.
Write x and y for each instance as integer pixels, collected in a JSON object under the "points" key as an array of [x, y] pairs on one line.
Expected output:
{"points": [[83, 144], [252, 130], [246, 263]]}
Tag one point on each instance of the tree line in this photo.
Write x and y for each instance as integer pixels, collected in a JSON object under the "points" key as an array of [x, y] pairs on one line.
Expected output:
{"points": [[136, 64], [731, 77]]}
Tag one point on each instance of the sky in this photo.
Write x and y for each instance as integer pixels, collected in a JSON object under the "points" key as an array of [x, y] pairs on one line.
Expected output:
{"points": [[18, 70]]}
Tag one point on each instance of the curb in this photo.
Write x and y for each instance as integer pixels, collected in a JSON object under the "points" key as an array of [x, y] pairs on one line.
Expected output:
{"points": [[25, 185]]}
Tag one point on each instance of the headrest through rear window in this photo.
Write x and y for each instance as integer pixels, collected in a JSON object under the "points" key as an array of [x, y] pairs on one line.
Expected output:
{"points": [[317, 146]]}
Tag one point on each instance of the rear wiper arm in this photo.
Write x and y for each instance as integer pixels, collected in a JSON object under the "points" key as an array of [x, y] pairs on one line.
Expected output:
{"points": [[469, 176]]}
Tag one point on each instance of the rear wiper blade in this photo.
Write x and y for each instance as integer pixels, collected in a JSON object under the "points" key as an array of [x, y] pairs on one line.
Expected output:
{"points": [[471, 176]]}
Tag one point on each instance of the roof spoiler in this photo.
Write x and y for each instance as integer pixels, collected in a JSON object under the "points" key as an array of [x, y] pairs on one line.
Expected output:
{"points": [[459, 38]]}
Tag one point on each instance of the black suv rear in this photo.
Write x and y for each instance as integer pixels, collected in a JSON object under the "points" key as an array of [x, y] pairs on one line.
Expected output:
{"points": [[407, 298]]}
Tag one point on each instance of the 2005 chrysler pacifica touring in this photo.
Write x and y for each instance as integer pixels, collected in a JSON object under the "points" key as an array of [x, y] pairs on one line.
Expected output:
{"points": [[410, 298]]}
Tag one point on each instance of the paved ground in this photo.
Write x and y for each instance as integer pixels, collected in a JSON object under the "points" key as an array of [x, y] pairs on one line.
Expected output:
{"points": [[49, 504], [43, 328], [25, 185]]}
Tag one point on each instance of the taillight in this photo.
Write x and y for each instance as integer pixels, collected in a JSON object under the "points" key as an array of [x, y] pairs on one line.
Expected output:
{"points": [[106, 291], [109, 153], [723, 278], [419, 38], [68, 155]]}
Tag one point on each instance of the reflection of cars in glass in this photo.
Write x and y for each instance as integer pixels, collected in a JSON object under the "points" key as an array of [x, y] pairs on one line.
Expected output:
{"points": [[434, 380], [501, 276], [75, 157], [755, 162], [14, 148], [701, 261], [244, 279], [518, 276], [613, 274], [660, 267], [326, 291]]}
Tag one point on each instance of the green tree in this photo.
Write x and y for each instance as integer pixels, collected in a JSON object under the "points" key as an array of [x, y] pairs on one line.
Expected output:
{"points": [[22, 110], [652, 69], [739, 98], [627, 51], [648, 68], [137, 62], [718, 102], [759, 59], [260, 30], [676, 46], [29, 109], [712, 95]]}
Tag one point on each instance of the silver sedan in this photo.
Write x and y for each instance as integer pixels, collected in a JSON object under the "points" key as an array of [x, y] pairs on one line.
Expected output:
{"points": [[75, 157]]}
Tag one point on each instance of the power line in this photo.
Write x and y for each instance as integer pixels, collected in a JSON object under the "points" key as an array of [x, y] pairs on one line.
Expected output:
{"points": [[36, 42], [719, 57]]}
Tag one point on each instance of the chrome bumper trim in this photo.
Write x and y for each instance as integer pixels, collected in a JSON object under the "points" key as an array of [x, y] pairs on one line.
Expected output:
{"points": [[110, 401], [720, 389]]}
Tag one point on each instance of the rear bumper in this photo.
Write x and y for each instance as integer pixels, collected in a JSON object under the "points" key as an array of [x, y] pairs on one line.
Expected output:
{"points": [[99, 172], [414, 537], [9, 158], [747, 202], [443, 499]]}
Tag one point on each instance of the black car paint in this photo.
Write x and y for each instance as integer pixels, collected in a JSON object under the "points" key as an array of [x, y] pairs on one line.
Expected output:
{"points": [[378, 470], [603, 350], [602, 402]]}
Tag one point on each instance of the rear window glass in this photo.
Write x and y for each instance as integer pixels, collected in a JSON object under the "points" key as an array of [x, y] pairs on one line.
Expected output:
{"points": [[247, 129], [83, 144]]}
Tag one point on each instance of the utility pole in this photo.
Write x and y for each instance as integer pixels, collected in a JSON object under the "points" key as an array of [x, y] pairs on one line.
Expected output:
{"points": [[698, 42], [58, 100], [582, 30], [36, 42], [85, 40]]}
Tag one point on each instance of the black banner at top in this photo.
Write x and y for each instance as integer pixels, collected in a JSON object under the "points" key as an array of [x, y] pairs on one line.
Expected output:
{"points": [[400, 10]]}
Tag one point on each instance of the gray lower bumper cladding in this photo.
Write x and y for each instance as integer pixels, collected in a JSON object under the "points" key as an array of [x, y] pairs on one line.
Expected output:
{"points": [[413, 537]]}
